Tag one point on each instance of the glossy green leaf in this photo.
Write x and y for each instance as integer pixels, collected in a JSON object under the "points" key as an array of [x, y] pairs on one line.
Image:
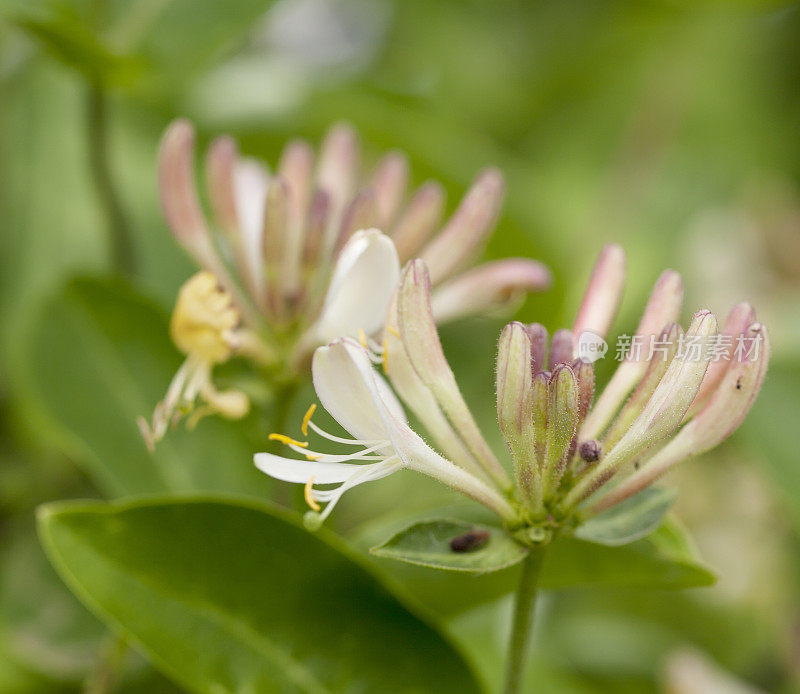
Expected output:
{"points": [[665, 559], [428, 544], [232, 597], [101, 356], [630, 520]]}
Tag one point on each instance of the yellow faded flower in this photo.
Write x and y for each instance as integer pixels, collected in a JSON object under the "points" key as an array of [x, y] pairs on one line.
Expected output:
{"points": [[205, 326]]}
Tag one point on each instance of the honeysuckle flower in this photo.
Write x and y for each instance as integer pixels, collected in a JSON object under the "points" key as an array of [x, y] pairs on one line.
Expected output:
{"points": [[383, 443], [681, 398], [298, 256]]}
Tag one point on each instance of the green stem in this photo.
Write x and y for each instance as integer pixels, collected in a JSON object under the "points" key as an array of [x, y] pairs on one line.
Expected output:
{"points": [[524, 607], [122, 253]]}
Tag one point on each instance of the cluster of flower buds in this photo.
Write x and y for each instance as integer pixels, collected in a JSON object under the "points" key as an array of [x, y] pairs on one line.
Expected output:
{"points": [[298, 258], [656, 411]]}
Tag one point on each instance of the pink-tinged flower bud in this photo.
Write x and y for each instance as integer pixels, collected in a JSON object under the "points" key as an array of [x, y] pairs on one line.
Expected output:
{"points": [[360, 214], [182, 210], [220, 164], [337, 172], [562, 421], [275, 217], [488, 287], [662, 308], [561, 348], [656, 368], [421, 341], [178, 193], [296, 168], [741, 316], [237, 189], [419, 221], [602, 297], [416, 395], [539, 341], [724, 412], [664, 410], [318, 217], [584, 373], [513, 377], [389, 184], [463, 235]]}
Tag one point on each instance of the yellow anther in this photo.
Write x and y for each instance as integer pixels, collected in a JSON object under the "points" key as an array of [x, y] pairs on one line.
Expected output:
{"points": [[307, 418], [288, 440], [310, 500], [362, 338], [393, 331], [313, 456], [385, 357]]}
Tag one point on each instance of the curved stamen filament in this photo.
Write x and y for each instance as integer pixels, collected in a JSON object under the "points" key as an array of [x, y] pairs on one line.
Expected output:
{"points": [[338, 439], [363, 454], [370, 472]]}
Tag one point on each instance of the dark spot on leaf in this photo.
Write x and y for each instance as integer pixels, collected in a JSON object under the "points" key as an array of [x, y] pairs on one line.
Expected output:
{"points": [[470, 540]]}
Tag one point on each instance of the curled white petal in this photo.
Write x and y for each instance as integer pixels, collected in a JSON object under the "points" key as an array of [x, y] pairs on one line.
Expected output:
{"points": [[341, 372], [363, 281], [301, 471]]}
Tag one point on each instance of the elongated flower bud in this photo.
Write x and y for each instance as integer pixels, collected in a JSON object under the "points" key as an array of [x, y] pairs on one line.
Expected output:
{"points": [[421, 340], [419, 221], [463, 235], [741, 316], [561, 348], [562, 421], [726, 409], [662, 308], [664, 410], [419, 398], [337, 171], [220, 164], [602, 297], [389, 186], [514, 414], [296, 168], [488, 287], [539, 339], [656, 369], [360, 214]]}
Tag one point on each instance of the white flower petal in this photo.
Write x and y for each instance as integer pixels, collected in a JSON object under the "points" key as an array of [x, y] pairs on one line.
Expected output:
{"points": [[250, 181], [342, 372], [300, 471], [363, 281]]}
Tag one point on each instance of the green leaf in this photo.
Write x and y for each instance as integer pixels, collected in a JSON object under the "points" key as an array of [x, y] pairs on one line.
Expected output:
{"points": [[234, 597], [100, 356], [665, 559], [428, 544], [73, 43], [630, 520]]}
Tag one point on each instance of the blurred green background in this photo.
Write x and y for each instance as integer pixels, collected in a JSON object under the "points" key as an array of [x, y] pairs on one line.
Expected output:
{"points": [[670, 127]]}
